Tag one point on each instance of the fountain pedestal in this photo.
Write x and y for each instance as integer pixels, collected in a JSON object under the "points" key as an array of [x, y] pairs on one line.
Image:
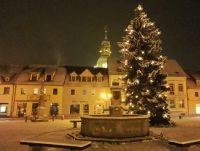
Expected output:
{"points": [[115, 127]]}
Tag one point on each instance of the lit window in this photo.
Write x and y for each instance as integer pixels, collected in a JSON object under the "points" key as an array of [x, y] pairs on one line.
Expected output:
{"points": [[35, 91], [55, 91], [72, 91], [196, 94], [3, 107], [6, 90]]}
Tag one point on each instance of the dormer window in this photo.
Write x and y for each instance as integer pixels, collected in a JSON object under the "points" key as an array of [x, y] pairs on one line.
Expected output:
{"points": [[48, 77], [73, 77], [34, 77], [99, 77]]}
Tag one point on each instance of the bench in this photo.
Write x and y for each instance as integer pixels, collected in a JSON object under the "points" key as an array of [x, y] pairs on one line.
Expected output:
{"points": [[184, 143], [75, 121], [39, 145]]}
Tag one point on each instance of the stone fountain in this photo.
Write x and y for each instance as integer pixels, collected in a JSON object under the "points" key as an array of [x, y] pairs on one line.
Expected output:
{"points": [[115, 125]]}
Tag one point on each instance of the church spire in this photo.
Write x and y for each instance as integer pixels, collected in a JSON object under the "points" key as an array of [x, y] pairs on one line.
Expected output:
{"points": [[105, 51], [106, 31]]}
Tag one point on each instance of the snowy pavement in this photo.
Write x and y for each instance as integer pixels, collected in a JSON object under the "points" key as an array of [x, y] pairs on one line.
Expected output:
{"points": [[12, 131]]}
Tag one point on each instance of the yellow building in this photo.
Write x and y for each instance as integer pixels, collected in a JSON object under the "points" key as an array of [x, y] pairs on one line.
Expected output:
{"points": [[177, 95], [8, 74], [86, 91], [193, 92], [176, 80], [33, 80]]}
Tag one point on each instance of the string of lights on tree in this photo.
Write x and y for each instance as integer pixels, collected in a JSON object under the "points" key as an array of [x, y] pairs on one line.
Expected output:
{"points": [[141, 60]]}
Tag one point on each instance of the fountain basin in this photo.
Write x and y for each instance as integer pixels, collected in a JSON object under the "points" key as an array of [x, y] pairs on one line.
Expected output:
{"points": [[115, 127]]}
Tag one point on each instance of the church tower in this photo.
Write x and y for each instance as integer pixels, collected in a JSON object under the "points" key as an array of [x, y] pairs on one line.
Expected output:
{"points": [[105, 52]]}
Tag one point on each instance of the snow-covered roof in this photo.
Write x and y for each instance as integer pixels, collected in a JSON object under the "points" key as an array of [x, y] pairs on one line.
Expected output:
{"points": [[172, 68], [42, 70]]}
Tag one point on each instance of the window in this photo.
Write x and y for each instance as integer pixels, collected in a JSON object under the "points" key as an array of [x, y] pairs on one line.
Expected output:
{"points": [[84, 92], [35, 91], [55, 91], [74, 108], [84, 79], [196, 94], [172, 104], [181, 103], [89, 79], [54, 109], [34, 108], [6, 90], [72, 91], [180, 87], [72, 78], [21, 109], [171, 88], [99, 79], [94, 79], [85, 108], [33, 77], [48, 77], [23, 91], [3, 107]]}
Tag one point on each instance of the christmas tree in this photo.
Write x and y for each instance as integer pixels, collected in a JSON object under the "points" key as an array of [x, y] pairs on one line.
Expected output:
{"points": [[141, 60]]}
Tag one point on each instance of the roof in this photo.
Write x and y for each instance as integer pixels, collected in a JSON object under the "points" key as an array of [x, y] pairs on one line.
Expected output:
{"points": [[9, 73], [172, 68], [93, 70], [193, 80], [58, 79]]}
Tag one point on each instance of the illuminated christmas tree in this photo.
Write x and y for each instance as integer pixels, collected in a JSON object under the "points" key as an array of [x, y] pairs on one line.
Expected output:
{"points": [[142, 62]]}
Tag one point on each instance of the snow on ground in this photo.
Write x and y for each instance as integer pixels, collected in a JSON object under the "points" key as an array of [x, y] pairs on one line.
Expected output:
{"points": [[11, 131]]}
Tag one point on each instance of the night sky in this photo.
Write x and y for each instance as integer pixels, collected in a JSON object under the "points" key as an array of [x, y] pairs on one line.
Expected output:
{"points": [[69, 32]]}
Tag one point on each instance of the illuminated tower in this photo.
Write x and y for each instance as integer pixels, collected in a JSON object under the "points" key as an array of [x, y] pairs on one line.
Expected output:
{"points": [[104, 52]]}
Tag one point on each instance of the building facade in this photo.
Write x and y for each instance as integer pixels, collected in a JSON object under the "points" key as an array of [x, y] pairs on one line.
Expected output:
{"points": [[86, 91], [193, 93], [31, 82]]}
